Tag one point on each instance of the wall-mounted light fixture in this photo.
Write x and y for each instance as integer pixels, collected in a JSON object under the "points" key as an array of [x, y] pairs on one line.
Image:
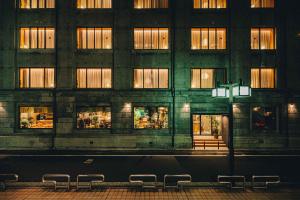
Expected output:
{"points": [[292, 108], [186, 107], [127, 107]]}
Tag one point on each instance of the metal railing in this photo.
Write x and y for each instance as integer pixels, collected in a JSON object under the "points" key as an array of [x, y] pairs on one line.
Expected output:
{"points": [[141, 180], [232, 181], [95, 179], [4, 178], [181, 180], [52, 179], [263, 182]]}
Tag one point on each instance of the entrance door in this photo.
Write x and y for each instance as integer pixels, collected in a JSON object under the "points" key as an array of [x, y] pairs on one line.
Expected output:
{"points": [[208, 125]]}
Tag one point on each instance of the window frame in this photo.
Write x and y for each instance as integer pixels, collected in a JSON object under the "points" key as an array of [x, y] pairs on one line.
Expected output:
{"points": [[208, 8], [208, 41], [86, 38], [35, 67], [18, 117], [45, 41], [260, 5], [77, 108], [260, 68], [159, 8], [259, 38], [150, 105], [38, 8], [158, 49], [86, 88], [151, 68], [82, 9], [202, 68]]}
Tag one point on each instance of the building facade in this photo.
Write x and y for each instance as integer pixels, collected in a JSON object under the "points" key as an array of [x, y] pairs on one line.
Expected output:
{"points": [[138, 74]]}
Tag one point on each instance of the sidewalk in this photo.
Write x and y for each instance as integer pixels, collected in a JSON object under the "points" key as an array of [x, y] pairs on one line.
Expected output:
{"points": [[126, 194]]}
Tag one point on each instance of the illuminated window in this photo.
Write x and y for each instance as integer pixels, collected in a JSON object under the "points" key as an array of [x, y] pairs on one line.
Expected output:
{"points": [[264, 118], [148, 4], [36, 117], [151, 78], [263, 78], [262, 3], [32, 4], [207, 124], [263, 38], [94, 78], [94, 117], [150, 117], [37, 38], [104, 4], [151, 38], [94, 38], [208, 38], [209, 4], [37, 77], [206, 78]]}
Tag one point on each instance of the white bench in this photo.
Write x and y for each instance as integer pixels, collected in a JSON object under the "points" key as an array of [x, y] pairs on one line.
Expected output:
{"points": [[94, 179], [53, 179], [144, 180], [233, 182], [181, 180], [263, 182], [4, 178]]}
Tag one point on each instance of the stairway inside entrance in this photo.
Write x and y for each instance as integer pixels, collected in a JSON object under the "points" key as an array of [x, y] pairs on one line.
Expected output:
{"points": [[209, 143]]}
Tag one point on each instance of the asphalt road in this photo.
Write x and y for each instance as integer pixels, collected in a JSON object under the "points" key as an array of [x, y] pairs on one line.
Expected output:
{"points": [[118, 168]]}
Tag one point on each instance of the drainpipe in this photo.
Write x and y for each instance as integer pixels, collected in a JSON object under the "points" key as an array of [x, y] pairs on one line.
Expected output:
{"points": [[173, 31]]}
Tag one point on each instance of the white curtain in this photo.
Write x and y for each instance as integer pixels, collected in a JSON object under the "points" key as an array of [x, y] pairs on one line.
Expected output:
{"points": [[98, 38], [164, 4], [81, 3], [163, 38], [207, 78], [81, 38], [254, 38], [197, 4], [33, 38], [41, 3], [212, 4], [267, 3], [138, 38], [221, 38], [147, 3], [107, 38], [106, 78], [90, 38], [195, 38], [138, 78], [90, 4], [138, 4], [150, 78], [212, 38], [24, 38], [204, 3], [49, 77], [195, 80], [204, 38], [24, 78], [267, 78], [255, 82], [163, 78], [267, 38], [37, 78], [50, 38], [81, 78], [221, 4], [25, 4], [94, 78], [255, 3], [50, 3], [41, 38], [147, 38], [34, 3], [106, 4], [154, 38]]}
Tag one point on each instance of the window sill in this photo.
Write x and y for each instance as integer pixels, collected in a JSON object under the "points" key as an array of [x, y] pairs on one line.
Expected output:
{"points": [[209, 51], [93, 51], [259, 51], [151, 51], [37, 51]]}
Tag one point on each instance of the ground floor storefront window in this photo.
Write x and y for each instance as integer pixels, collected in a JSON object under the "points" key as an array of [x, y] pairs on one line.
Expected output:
{"points": [[36, 117], [264, 118], [94, 118], [150, 117]]}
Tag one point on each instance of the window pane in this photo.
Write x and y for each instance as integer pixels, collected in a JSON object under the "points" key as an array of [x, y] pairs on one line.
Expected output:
{"points": [[41, 3], [90, 38], [164, 3], [25, 4], [204, 38], [150, 78], [81, 38], [106, 78], [267, 38], [90, 4], [163, 38], [36, 117], [197, 3], [81, 3], [196, 38], [50, 4], [195, 80], [81, 78], [107, 38], [267, 78], [147, 38], [163, 78], [138, 78], [50, 37], [24, 78], [221, 4], [155, 38], [41, 38], [221, 38], [138, 38], [254, 38], [255, 3], [267, 3], [24, 38], [255, 82], [37, 78], [204, 4], [93, 78], [49, 78], [264, 118], [33, 38], [93, 118], [212, 38], [207, 78], [150, 117], [206, 125], [34, 3], [147, 3], [98, 38], [212, 3]]}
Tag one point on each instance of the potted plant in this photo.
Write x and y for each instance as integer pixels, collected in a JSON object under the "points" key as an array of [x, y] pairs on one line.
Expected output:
{"points": [[215, 128]]}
